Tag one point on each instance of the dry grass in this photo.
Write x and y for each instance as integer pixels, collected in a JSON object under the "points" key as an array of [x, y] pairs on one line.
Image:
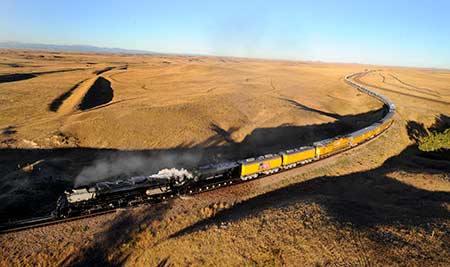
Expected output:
{"points": [[382, 204], [154, 99]]}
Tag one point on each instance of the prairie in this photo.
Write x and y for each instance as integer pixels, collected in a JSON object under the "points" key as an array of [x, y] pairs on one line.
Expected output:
{"points": [[65, 115]]}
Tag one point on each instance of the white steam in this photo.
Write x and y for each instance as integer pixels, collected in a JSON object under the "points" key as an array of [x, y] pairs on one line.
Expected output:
{"points": [[106, 168], [115, 166], [176, 175], [172, 173]]}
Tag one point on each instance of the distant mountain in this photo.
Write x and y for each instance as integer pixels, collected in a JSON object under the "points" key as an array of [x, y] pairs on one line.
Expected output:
{"points": [[74, 48]]}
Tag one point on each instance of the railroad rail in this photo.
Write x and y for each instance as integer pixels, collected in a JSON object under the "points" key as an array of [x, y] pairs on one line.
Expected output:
{"points": [[46, 221]]}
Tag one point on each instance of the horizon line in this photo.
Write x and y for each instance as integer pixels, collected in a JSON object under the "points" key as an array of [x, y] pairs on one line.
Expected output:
{"points": [[187, 54]]}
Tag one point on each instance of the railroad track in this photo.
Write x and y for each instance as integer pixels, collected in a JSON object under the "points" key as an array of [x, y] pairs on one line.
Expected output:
{"points": [[43, 221]]}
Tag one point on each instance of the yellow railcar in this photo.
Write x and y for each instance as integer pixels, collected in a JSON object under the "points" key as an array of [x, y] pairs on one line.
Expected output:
{"points": [[359, 139], [265, 164], [386, 124], [302, 154], [383, 125], [362, 135], [373, 132], [329, 146], [378, 128]]}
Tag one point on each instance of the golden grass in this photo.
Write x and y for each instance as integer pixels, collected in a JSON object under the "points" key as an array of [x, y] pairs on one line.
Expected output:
{"points": [[381, 204], [154, 99]]}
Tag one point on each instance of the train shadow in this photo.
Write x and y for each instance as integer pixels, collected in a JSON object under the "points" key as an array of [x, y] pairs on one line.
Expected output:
{"points": [[32, 179], [267, 140], [363, 199]]}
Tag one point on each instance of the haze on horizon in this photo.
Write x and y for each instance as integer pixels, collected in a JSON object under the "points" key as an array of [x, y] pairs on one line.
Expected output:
{"points": [[402, 33]]}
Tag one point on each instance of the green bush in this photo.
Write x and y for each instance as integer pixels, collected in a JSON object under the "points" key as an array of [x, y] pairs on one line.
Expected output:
{"points": [[435, 141]]}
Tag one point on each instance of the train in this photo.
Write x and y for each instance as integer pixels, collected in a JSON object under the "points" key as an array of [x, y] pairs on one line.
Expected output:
{"points": [[168, 183]]}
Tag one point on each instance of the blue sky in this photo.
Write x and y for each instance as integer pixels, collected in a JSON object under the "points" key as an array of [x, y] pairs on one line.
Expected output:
{"points": [[408, 33]]}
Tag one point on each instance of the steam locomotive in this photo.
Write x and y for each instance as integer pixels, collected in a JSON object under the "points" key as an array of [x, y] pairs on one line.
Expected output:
{"points": [[168, 183]]}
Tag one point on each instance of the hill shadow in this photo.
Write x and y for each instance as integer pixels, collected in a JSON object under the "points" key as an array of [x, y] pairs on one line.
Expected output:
{"points": [[98, 94], [15, 77], [303, 107], [32, 179], [57, 102], [441, 123], [364, 199], [222, 136], [121, 230], [417, 131], [98, 72]]}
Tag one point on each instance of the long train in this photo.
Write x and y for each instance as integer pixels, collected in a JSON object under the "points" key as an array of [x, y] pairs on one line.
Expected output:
{"points": [[172, 182]]}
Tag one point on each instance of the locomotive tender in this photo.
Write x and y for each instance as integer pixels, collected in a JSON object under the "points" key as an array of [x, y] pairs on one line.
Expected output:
{"points": [[171, 182]]}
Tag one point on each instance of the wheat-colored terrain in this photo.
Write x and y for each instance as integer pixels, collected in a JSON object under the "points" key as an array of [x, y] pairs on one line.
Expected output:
{"points": [[69, 119]]}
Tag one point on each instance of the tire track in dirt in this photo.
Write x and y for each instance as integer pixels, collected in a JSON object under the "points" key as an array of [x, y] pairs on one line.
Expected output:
{"points": [[417, 89], [358, 80], [410, 87]]}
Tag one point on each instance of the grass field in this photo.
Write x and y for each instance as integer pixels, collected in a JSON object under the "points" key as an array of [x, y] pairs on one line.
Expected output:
{"points": [[70, 118]]}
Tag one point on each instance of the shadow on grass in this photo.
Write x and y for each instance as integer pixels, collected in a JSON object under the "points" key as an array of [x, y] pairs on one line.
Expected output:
{"points": [[98, 94], [32, 179], [364, 199], [56, 103], [15, 77], [122, 230]]}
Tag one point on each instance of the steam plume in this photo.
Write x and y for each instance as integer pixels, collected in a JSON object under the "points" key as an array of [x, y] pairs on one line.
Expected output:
{"points": [[115, 166]]}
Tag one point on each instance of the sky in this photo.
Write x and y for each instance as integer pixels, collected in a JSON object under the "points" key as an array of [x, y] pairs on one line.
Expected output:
{"points": [[395, 32]]}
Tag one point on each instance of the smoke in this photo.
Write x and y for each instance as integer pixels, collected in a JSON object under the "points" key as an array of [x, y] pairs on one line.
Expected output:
{"points": [[117, 166], [109, 167]]}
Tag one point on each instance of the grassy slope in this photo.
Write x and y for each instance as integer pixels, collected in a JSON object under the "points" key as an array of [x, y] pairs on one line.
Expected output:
{"points": [[385, 204], [335, 214]]}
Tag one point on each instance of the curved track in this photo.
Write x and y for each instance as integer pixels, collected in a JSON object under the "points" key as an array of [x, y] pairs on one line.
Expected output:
{"points": [[51, 219]]}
